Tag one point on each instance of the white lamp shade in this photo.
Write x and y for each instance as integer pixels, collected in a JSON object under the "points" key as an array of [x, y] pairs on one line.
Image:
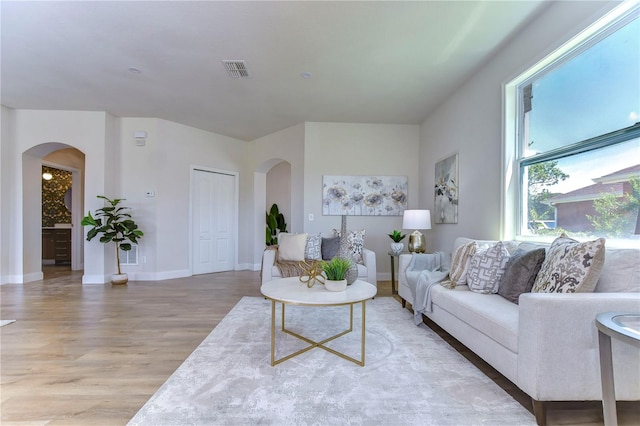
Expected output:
{"points": [[416, 219]]}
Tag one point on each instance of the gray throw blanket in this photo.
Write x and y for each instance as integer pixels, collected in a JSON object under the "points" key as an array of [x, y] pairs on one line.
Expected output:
{"points": [[425, 271]]}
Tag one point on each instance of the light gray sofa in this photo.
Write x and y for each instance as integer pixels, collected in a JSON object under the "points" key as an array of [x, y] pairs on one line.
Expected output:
{"points": [[366, 271], [547, 344]]}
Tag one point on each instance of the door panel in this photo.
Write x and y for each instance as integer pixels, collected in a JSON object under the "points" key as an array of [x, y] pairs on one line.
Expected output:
{"points": [[213, 222]]}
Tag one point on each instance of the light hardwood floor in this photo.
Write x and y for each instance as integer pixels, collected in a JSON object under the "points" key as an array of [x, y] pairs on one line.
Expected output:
{"points": [[94, 354]]}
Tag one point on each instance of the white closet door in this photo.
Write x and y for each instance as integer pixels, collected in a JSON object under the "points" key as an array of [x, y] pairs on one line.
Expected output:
{"points": [[213, 231]]}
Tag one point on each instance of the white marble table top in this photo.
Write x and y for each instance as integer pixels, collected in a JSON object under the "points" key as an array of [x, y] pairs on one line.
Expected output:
{"points": [[291, 290]]}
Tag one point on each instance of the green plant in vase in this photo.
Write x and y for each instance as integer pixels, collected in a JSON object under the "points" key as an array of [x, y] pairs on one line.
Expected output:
{"points": [[397, 246], [336, 272], [113, 224], [275, 225]]}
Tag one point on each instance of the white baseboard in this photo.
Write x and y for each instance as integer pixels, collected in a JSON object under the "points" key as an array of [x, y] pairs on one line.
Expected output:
{"points": [[95, 279], [159, 276]]}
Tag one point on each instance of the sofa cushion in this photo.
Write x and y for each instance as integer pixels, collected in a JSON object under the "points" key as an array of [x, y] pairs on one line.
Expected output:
{"points": [[490, 314], [520, 273], [486, 269], [621, 271], [570, 266], [291, 246], [313, 249], [330, 247], [460, 264]]}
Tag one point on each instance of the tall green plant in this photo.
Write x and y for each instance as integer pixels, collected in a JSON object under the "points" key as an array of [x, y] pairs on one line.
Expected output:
{"points": [[113, 224], [275, 224]]}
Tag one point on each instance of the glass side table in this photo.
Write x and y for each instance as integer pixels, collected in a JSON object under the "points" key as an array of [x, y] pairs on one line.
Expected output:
{"points": [[623, 326]]}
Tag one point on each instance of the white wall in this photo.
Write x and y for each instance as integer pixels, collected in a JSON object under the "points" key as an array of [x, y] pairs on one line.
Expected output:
{"points": [[8, 196], [163, 166], [470, 122], [360, 149]]}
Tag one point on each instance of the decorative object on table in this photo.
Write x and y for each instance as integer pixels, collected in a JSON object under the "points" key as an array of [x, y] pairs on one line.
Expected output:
{"points": [[446, 190], [397, 246], [417, 219], [364, 195], [113, 224], [275, 225], [336, 271], [311, 273], [350, 249]]}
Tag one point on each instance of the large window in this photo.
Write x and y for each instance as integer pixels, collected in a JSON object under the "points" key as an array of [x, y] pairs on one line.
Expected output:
{"points": [[577, 154]]}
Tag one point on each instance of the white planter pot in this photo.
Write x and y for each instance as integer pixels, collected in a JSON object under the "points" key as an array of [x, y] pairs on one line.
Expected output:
{"points": [[397, 247], [119, 279], [335, 285]]}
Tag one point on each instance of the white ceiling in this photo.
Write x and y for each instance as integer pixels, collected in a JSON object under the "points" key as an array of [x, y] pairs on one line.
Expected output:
{"points": [[371, 62]]}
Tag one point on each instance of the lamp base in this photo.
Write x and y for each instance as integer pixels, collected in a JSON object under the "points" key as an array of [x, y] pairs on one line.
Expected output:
{"points": [[417, 242]]}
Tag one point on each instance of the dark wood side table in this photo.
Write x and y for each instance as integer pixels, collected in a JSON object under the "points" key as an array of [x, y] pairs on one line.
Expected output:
{"points": [[392, 256]]}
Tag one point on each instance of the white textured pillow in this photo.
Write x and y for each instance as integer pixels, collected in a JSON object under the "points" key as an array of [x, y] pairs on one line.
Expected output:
{"points": [[460, 263], [291, 246], [313, 250], [570, 266], [486, 269]]}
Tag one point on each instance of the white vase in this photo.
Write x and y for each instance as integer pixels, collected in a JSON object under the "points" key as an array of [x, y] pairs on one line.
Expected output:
{"points": [[332, 285], [397, 247], [119, 279]]}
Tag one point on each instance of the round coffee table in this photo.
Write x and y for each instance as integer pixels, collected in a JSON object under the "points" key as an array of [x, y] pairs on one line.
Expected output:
{"points": [[291, 291]]}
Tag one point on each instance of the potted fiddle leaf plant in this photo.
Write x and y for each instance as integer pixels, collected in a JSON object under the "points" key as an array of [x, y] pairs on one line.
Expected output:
{"points": [[113, 224], [397, 246], [336, 272]]}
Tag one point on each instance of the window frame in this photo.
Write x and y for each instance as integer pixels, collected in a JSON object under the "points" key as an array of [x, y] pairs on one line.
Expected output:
{"points": [[514, 122]]}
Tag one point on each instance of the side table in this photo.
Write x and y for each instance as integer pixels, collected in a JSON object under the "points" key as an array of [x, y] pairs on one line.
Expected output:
{"points": [[392, 256], [624, 326]]}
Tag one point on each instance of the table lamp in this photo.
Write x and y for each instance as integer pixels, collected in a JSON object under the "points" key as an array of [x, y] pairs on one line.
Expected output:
{"points": [[417, 219]]}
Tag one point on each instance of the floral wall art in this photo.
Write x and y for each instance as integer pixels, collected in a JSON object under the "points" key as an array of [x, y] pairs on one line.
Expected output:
{"points": [[364, 195], [446, 190]]}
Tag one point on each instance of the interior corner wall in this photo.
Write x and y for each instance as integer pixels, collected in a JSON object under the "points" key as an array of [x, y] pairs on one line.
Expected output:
{"points": [[470, 122], [288, 145], [360, 149], [8, 198]]}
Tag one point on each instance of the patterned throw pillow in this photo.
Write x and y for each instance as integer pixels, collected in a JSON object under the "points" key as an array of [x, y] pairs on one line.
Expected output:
{"points": [[313, 250], [520, 273], [460, 265], [486, 269], [570, 266], [355, 244], [291, 246]]}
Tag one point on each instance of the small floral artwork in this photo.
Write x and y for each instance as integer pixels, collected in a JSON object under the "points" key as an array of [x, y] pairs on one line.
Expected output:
{"points": [[364, 195], [446, 190]]}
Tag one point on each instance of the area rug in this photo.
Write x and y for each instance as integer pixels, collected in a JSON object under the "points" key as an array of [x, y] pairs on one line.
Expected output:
{"points": [[411, 376], [6, 322]]}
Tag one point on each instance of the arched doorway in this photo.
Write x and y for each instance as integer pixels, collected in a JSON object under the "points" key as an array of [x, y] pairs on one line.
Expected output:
{"points": [[271, 184], [63, 157]]}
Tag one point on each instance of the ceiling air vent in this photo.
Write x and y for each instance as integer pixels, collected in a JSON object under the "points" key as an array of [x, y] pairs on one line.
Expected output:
{"points": [[236, 69]]}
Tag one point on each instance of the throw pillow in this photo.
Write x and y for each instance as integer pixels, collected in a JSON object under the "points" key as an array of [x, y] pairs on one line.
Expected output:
{"points": [[520, 273], [355, 244], [330, 247], [291, 246], [313, 250], [486, 269], [570, 266], [460, 264]]}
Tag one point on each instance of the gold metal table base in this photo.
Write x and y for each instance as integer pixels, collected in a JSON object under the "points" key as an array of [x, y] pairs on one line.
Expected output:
{"points": [[313, 344]]}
